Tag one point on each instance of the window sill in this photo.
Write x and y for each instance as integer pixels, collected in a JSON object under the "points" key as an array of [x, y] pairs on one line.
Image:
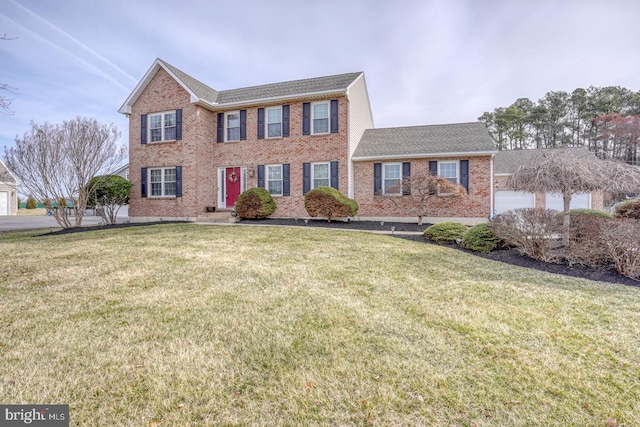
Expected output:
{"points": [[161, 197], [162, 142]]}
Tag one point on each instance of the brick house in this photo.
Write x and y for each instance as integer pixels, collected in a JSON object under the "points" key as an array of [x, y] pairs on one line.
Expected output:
{"points": [[193, 148]]}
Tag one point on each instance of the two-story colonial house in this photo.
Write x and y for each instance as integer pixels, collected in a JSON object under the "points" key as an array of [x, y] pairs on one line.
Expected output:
{"points": [[193, 148]]}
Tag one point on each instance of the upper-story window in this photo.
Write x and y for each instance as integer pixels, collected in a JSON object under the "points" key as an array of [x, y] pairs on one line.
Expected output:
{"points": [[232, 126], [162, 126], [320, 117], [274, 122]]}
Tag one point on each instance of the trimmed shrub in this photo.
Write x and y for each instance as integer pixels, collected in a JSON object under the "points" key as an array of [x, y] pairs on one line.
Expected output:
{"points": [[628, 209], [480, 238], [589, 212], [586, 243], [446, 232], [255, 203], [329, 203], [31, 203], [532, 231]]}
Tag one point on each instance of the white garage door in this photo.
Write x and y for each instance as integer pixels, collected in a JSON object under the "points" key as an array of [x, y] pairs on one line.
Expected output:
{"points": [[4, 203], [581, 200], [507, 200]]}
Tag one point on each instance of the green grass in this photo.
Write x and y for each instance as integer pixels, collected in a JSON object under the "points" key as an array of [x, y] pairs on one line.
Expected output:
{"points": [[196, 325]]}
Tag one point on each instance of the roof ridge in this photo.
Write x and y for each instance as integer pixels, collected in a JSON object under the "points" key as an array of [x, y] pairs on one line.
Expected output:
{"points": [[293, 81], [201, 89], [425, 126]]}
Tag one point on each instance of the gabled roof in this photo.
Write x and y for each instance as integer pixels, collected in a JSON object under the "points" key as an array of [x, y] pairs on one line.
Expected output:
{"points": [[425, 141], [507, 162], [213, 99], [12, 179]]}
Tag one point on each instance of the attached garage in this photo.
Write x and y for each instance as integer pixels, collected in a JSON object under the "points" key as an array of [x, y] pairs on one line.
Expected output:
{"points": [[507, 200], [578, 201], [4, 203]]}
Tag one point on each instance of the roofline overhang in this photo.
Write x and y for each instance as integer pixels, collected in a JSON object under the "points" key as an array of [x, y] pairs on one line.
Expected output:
{"points": [[15, 180], [423, 155], [273, 99]]}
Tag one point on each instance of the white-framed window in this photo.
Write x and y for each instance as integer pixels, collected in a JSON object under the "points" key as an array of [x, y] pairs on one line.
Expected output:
{"points": [[232, 126], [162, 126], [320, 176], [163, 182], [392, 178], [320, 117], [449, 170], [273, 122], [274, 180]]}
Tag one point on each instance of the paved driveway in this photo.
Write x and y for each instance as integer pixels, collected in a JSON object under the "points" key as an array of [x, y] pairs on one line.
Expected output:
{"points": [[19, 222]]}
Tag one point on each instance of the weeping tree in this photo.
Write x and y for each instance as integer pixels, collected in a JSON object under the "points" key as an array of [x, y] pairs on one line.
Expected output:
{"points": [[570, 172], [56, 162]]}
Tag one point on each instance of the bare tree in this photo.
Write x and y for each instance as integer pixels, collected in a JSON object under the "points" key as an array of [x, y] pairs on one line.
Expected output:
{"points": [[420, 192], [5, 103], [56, 162], [563, 171]]}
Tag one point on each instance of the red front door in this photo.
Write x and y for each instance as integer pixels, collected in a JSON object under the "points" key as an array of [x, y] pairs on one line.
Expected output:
{"points": [[232, 179]]}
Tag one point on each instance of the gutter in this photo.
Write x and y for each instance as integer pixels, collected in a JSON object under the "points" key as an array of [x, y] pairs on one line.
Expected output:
{"points": [[225, 106], [425, 155]]}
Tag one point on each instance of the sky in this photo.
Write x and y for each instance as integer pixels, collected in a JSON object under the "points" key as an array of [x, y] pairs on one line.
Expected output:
{"points": [[425, 62]]}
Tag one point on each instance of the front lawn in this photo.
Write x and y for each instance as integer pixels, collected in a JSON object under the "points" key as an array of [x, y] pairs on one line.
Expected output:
{"points": [[193, 325]]}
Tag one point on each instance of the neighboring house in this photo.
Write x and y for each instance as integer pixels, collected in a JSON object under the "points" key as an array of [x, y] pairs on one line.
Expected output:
{"points": [[193, 149], [8, 191], [461, 152], [508, 162], [123, 171]]}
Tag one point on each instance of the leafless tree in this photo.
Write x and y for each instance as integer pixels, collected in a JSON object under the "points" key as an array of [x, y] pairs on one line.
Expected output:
{"points": [[56, 162], [563, 171], [420, 192], [5, 103]]}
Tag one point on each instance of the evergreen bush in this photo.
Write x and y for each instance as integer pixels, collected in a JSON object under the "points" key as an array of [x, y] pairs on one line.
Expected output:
{"points": [[446, 232], [628, 209], [31, 203], [480, 238], [255, 203]]}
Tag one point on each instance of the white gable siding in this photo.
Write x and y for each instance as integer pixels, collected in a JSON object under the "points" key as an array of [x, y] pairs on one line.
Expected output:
{"points": [[360, 118]]}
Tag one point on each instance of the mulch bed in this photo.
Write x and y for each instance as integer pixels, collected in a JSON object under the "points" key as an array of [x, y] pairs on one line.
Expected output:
{"points": [[509, 256]]}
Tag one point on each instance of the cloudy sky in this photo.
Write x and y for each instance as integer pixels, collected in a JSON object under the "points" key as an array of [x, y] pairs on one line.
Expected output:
{"points": [[425, 62]]}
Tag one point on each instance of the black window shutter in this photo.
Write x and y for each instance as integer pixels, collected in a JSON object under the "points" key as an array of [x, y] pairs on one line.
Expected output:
{"points": [[243, 124], [377, 178], [433, 168], [220, 137], [143, 129], [178, 181], [261, 176], [334, 175], [260, 123], [285, 120], [334, 116], [178, 124], [406, 178], [306, 177], [464, 174], [306, 118], [286, 182], [143, 182]]}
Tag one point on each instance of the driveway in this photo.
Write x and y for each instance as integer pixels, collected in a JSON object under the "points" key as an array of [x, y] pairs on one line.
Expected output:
{"points": [[20, 222]]}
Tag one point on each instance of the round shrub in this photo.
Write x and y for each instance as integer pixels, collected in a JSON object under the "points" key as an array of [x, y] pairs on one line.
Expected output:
{"points": [[590, 212], [446, 232], [628, 209], [31, 203], [329, 203], [480, 238], [255, 203]]}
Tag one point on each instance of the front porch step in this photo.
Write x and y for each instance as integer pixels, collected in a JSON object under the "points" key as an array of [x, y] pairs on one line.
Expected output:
{"points": [[221, 217]]}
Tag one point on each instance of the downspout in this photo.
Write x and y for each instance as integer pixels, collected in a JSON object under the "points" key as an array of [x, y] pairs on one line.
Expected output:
{"points": [[491, 190]]}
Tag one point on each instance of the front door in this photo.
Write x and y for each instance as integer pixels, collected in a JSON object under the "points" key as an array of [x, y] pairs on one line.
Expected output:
{"points": [[232, 178]]}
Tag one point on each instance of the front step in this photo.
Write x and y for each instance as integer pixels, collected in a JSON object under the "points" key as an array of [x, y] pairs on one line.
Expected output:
{"points": [[223, 217]]}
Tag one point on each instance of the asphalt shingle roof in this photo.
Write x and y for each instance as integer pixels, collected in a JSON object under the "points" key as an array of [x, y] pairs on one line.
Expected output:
{"points": [[424, 140], [336, 83], [508, 161]]}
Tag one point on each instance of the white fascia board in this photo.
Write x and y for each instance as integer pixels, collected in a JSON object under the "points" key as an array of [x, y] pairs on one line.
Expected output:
{"points": [[273, 99], [424, 155]]}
